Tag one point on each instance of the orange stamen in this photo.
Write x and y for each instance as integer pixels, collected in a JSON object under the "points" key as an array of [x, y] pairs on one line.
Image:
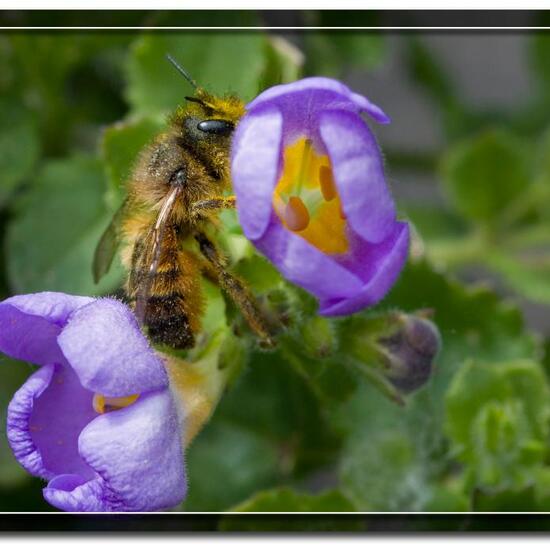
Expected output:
{"points": [[342, 213], [306, 199], [328, 188], [296, 214]]}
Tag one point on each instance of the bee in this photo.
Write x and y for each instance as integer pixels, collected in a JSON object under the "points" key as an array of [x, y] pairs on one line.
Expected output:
{"points": [[174, 196]]}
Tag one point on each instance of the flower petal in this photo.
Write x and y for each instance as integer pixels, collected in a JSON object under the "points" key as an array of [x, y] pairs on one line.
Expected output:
{"points": [[104, 345], [359, 174], [254, 167], [73, 493], [387, 260], [317, 85], [19, 412], [305, 265], [375, 112], [30, 325], [137, 452], [45, 418]]}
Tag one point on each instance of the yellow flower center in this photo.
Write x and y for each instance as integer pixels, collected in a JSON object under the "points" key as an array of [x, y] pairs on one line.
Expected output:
{"points": [[306, 199], [103, 404]]}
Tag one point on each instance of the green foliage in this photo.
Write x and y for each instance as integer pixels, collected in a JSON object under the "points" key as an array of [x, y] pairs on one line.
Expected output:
{"points": [[499, 187], [285, 439], [485, 175], [397, 458], [57, 226], [288, 500], [494, 175], [221, 62], [19, 145], [497, 420], [283, 62]]}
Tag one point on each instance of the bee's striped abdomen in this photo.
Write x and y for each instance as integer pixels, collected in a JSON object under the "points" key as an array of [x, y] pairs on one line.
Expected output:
{"points": [[173, 303], [168, 322]]}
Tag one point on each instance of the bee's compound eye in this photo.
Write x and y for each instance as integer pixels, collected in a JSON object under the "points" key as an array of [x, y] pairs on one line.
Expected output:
{"points": [[215, 126]]}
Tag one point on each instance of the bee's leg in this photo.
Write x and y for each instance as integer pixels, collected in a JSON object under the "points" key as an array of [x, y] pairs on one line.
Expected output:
{"points": [[236, 289], [199, 208]]}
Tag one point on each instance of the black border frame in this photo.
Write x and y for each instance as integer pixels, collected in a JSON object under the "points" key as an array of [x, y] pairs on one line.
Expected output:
{"points": [[368, 523]]}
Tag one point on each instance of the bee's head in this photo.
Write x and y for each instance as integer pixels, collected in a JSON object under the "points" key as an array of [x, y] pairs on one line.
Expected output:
{"points": [[207, 121], [215, 117]]}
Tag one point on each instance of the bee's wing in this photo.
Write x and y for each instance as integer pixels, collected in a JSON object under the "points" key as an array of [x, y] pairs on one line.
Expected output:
{"points": [[148, 260], [108, 243]]}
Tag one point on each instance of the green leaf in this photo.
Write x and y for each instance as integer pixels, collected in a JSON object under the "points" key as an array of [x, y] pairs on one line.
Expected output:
{"points": [[434, 223], [381, 472], [446, 499], [527, 273], [284, 62], [259, 274], [19, 144], [477, 384], [220, 62], [286, 499], [507, 500], [56, 227], [329, 379], [225, 464], [484, 175], [46, 78], [289, 501], [497, 419]]}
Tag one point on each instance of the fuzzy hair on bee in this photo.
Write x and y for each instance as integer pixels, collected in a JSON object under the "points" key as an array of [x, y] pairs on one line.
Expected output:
{"points": [[178, 186]]}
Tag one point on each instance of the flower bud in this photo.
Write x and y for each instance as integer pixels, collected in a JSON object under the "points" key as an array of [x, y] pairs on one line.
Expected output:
{"points": [[317, 337], [396, 351], [409, 351]]}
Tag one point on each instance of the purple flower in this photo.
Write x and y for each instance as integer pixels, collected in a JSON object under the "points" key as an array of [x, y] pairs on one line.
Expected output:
{"points": [[97, 420], [311, 193]]}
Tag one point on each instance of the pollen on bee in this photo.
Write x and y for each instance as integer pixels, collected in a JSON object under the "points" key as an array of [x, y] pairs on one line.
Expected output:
{"points": [[296, 214], [103, 404]]}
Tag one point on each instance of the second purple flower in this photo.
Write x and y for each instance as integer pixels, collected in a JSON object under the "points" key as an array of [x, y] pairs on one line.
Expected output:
{"points": [[98, 420], [311, 193]]}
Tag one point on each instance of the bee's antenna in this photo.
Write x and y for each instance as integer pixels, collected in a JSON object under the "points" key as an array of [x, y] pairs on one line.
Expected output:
{"points": [[180, 69]]}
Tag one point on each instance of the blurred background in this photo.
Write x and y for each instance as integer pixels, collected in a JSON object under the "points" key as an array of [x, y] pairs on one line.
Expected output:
{"points": [[468, 159]]}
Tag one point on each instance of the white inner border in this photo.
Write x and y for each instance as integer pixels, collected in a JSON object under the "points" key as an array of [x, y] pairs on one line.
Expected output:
{"points": [[278, 5]]}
